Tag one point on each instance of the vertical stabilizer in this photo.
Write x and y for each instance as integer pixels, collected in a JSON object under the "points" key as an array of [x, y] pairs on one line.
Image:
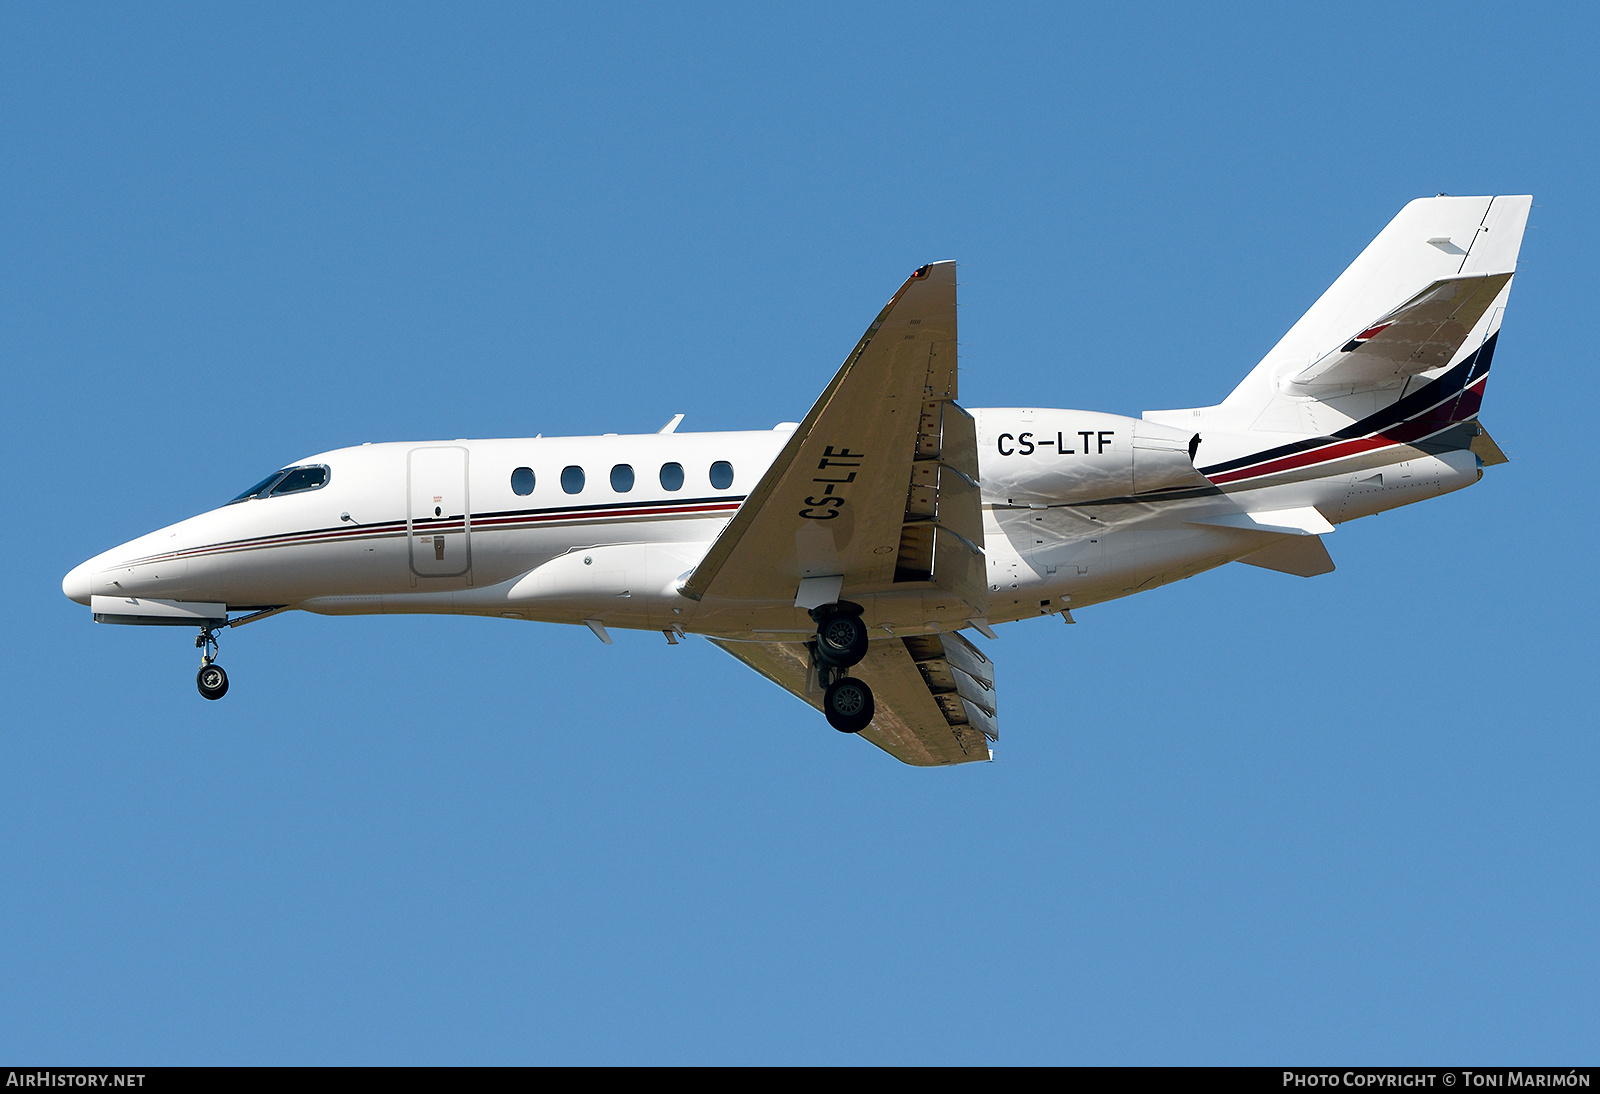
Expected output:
{"points": [[1324, 373]]}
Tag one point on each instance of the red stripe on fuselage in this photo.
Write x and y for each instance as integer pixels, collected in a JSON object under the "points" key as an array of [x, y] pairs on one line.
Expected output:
{"points": [[435, 526], [1413, 429]]}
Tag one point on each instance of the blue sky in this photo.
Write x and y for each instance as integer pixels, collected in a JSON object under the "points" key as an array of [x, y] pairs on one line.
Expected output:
{"points": [[1245, 819]]}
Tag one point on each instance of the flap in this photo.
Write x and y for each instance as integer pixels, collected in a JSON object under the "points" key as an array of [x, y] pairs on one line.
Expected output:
{"points": [[923, 714]]}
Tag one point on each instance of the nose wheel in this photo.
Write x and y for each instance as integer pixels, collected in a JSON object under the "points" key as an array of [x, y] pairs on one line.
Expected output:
{"points": [[211, 680]]}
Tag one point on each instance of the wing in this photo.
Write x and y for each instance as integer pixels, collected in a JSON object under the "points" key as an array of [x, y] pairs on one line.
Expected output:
{"points": [[934, 693], [878, 485], [1423, 333]]}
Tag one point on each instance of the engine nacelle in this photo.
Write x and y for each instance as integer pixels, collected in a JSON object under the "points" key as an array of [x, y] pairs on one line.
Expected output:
{"points": [[1055, 457]]}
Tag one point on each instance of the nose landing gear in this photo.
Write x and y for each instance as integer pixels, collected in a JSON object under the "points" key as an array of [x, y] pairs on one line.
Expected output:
{"points": [[211, 680], [841, 642]]}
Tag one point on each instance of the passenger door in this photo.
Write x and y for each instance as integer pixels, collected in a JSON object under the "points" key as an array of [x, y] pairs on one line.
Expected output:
{"points": [[439, 513]]}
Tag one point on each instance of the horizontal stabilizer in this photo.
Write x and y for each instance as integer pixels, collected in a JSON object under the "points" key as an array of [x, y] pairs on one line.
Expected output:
{"points": [[1303, 556], [1304, 521], [1423, 333], [1485, 449]]}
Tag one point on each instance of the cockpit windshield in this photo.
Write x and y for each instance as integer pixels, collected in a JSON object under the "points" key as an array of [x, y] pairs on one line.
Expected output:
{"points": [[300, 478], [259, 489], [291, 480]]}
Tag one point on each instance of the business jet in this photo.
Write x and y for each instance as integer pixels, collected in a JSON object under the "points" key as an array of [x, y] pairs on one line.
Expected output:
{"points": [[846, 557]]}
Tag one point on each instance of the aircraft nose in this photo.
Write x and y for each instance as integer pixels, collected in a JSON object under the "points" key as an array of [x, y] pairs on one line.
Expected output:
{"points": [[76, 583]]}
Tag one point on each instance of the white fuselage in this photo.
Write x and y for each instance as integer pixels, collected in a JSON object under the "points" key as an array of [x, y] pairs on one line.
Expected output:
{"points": [[440, 527]]}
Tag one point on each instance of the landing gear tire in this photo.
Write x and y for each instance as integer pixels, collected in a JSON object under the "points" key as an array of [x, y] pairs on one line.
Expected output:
{"points": [[841, 639], [212, 681], [848, 705]]}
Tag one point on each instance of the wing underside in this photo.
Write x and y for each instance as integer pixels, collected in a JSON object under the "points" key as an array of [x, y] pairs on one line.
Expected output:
{"points": [[934, 693], [878, 487]]}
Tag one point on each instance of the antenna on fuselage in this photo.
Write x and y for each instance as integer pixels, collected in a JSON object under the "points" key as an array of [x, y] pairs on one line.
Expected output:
{"points": [[672, 426]]}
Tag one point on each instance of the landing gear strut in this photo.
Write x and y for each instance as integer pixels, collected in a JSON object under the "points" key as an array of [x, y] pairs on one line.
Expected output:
{"points": [[211, 680], [840, 643]]}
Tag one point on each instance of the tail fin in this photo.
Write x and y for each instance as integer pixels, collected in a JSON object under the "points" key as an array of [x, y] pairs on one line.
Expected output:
{"points": [[1426, 294]]}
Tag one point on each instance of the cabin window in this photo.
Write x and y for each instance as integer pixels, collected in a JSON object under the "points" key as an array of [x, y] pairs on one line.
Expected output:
{"points": [[572, 479], [622, 478], [672, 476], [260, 488], [299, 479], [721, 475], [522, 481]]}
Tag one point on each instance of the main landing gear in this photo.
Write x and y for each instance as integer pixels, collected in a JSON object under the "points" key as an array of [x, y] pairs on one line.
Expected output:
{"points": [[841, 642], [211, 680]]}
